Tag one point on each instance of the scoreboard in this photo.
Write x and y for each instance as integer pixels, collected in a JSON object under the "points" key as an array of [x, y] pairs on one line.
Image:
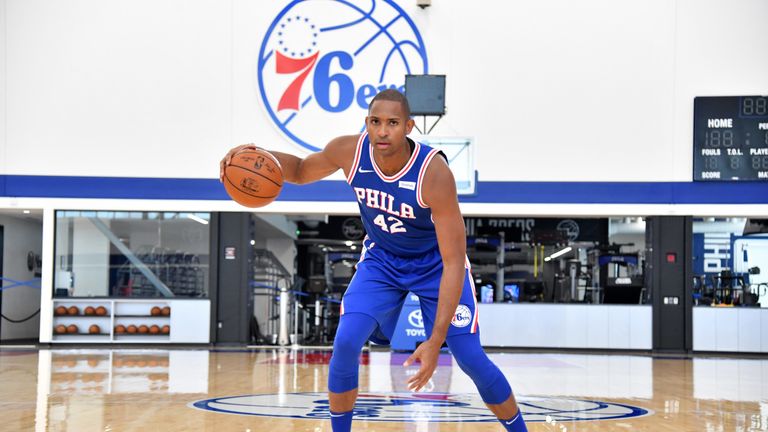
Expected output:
{"points": [[730, 138]]}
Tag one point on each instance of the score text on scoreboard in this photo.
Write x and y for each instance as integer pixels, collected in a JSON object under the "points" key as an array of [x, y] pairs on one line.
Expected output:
{"points": [[730, 138]]}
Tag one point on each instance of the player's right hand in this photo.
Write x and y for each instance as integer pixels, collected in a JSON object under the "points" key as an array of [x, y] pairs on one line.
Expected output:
{"points": [[228, 158]]}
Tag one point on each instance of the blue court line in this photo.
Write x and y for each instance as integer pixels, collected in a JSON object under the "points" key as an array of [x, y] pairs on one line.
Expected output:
{"points": [[368, 14], [381, 30], [269, 54], [303, 104], [339, 191], [392, 51], [288, 120]]}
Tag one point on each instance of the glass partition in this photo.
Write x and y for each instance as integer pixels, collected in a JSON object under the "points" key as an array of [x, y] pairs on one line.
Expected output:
{"points": [[558, 260], [131, 254], [730, 261]]}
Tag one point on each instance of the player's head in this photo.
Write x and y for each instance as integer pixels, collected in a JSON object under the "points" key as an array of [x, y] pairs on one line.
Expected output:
{"points": [[392, 95], [389, 121]]}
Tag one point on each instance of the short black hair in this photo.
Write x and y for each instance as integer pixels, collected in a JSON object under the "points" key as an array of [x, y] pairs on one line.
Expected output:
{"points": [[393, 95]]}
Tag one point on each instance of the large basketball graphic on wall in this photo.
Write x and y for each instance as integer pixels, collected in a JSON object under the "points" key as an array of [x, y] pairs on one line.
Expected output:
{"points": [[322, 61]]}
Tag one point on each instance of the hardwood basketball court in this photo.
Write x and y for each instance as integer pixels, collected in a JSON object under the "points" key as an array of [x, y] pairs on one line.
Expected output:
{"points": [[284, 390]]}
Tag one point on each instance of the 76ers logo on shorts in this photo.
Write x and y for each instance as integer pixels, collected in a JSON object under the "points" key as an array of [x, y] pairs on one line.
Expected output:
{"points": [[462, 317], [322, 61]]}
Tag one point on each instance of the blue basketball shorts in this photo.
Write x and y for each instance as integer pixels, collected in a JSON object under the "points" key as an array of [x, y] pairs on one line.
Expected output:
{"points": [[383, 280]]}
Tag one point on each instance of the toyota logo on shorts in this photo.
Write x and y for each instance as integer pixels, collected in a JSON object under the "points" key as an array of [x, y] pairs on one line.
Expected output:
{"points": [[322, 61]]}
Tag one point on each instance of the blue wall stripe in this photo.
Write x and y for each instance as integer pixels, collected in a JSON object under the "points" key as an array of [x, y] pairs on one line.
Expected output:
{"points": [[487, 192]]}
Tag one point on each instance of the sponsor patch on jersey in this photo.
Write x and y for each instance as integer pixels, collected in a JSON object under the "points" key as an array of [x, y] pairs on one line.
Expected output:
{"points": [[407, 185], [418, 407], [462, 317]]}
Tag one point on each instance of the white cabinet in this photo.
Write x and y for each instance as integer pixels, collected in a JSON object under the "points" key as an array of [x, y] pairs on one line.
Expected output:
{"points": [[130, 321]]}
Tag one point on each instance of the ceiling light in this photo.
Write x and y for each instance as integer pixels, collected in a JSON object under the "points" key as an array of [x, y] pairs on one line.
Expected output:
{"points": [[558, 253], [197, 219]]}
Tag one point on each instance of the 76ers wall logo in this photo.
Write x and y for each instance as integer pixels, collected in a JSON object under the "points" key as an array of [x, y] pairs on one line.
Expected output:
{"points": [[322, 61]]}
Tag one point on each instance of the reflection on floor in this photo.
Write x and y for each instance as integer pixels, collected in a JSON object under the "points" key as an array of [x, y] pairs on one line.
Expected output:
{"points": [[241, 390]]}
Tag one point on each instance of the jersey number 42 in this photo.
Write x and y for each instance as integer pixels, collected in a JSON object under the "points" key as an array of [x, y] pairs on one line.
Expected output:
{"points": [[395, 225]]}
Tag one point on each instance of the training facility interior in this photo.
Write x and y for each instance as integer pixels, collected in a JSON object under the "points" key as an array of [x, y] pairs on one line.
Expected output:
{"points": [[611, 160]]}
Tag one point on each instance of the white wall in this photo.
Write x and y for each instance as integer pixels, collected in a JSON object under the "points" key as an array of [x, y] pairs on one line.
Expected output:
{"points": [[547, 325], [21, 235], [134, 85], [730, 329], [3, 45]]}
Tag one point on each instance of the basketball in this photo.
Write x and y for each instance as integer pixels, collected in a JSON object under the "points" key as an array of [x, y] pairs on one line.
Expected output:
{"points": [[119, 329], [73, 310], [72, 329], [253, 178], [155, 311], [60, 329], [101, 311], [166, 311], [61, 310], [90, 310], [94, 329]]}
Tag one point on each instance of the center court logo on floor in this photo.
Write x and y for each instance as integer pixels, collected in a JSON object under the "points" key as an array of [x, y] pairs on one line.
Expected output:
{"points": [[322, 61], [417, 407]]}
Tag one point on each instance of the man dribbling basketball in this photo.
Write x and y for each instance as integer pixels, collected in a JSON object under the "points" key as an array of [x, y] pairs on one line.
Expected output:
{"points": [[416, 242]]}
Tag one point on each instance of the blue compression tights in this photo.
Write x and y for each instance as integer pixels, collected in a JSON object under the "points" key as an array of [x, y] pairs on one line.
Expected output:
{"points": [[491, 383], [354, 329]]}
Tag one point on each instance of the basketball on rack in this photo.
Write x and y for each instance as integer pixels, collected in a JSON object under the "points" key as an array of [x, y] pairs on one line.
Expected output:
{"points": [[253, 178]]}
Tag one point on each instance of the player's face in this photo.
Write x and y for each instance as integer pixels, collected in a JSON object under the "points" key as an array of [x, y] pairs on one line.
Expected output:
{"points": [[387, 127]]}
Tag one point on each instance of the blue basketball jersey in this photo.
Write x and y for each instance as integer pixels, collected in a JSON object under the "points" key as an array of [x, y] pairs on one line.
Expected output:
{"points": [[392, 208]]}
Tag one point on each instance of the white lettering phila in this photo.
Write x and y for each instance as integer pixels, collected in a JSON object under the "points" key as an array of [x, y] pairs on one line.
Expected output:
{"points": [[383, 201]]}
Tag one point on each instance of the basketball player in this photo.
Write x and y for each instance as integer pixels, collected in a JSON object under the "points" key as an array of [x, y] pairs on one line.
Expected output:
{"points": [[416, 241]]}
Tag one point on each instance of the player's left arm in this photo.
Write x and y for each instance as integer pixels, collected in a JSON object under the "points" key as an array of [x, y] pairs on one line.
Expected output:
{"points": [[439, 193]]}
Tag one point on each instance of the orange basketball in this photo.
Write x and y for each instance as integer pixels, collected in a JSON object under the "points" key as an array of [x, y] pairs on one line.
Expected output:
{"points": [[90, 310], [73, 310], [132, 329], [60, 329], [101, 310], [143, 329], [166, 329], [253, 178], [94, 329], [61, 310], [155, 329], [72, 328], [155, 311], [119, 329]]}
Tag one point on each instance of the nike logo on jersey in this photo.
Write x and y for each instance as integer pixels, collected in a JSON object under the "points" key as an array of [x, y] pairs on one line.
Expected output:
{"points": [[407, 185], [364, 171], [383, 201]]}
